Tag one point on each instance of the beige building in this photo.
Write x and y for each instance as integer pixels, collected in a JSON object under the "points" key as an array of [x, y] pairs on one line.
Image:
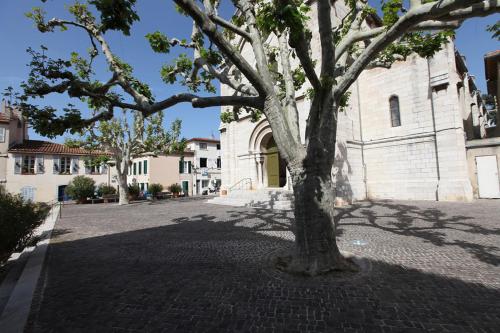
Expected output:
{"points": [[40, 170], [163, 169], [13, 130], [403, 135], [206, 164]]}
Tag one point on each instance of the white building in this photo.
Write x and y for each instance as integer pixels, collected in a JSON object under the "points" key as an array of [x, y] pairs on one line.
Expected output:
{"points": [[163, 169], [207, 164], [403, 135]]}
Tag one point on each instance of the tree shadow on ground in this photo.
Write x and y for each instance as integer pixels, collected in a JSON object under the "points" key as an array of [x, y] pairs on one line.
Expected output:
{"points": [[210, 274], [429, 224]]}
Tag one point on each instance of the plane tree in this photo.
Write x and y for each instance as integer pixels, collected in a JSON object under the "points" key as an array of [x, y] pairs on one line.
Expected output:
{"points": [[125, 136], [263, 80]]}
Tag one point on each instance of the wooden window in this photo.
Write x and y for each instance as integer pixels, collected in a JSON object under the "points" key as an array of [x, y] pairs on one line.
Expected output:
{"points": [[203, 145], [28, 165], [394, 108], [203, 162], [218, 163], [145, 167], [65, 165]]}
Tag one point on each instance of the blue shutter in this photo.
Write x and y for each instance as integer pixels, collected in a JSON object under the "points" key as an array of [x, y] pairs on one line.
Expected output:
{"points": [[40, 168], [18, 164], [75, 167], [57, 164]]}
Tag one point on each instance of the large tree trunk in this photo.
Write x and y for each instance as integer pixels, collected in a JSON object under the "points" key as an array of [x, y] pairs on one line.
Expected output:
{"points": [[316, 251], [123, 192]]}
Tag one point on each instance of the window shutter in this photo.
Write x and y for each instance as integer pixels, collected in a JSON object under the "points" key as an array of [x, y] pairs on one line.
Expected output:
{"points": [[189, 167], [145, 167], [18, 164], [181, 166], [39, 164], [57, 163], [74, 165], [86, 163]]}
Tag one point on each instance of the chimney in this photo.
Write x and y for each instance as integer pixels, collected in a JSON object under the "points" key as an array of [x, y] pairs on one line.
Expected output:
{"points": [[4, 106]]}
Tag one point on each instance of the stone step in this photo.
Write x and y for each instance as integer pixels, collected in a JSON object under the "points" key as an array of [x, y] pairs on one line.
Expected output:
{"points": [[265, 198]]}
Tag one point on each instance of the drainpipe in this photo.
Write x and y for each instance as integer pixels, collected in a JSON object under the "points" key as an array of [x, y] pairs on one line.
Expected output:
{"points": [[438, 172], [365, 181]]}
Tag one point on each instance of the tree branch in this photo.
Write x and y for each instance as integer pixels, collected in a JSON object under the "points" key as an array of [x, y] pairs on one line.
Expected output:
{"points": [[326, 38], [210, 30], [228, 25], [415, 16], [203, 102]]}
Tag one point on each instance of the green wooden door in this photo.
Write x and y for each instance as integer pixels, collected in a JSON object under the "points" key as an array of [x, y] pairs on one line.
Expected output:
{"points": [[273, 170], [185, 187]]}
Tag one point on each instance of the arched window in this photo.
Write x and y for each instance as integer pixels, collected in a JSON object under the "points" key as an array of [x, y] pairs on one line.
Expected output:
{"points": [[394, 107]]}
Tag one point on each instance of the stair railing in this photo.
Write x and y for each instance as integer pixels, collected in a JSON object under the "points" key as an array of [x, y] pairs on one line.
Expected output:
{"points": [[239, 185]]}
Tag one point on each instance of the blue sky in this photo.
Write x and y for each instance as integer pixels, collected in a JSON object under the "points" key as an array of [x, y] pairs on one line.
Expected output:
{"points": [[17, 33]]}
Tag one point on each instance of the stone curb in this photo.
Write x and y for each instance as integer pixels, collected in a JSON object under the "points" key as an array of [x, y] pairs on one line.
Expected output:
{"points": [[15, 314]]}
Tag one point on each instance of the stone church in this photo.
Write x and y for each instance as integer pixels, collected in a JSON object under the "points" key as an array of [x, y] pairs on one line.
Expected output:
{"points": [[402, 136]]}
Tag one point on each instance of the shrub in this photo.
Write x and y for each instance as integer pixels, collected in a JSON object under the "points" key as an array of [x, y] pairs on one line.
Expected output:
{"points": [[133, 191], [105, 190], [175, 188], [17, 222], [154, 189], [80, 188]]}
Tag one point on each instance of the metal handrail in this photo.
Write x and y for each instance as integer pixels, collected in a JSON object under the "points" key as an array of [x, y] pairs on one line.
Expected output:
{"points": [[241, 181]]}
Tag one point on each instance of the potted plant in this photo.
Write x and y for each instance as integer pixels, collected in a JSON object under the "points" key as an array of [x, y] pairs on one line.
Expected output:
{"points": [[81, 188], [133, 191], [175, 189], [155, 189]]}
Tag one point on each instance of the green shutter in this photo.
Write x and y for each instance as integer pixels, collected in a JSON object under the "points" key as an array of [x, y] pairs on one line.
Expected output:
{"points": [[145, 167], [189, 167], [135, 169], [181, 166]]}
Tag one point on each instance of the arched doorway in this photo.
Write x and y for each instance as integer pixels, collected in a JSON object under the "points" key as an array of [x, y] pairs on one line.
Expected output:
{"points": [[275, 166]]}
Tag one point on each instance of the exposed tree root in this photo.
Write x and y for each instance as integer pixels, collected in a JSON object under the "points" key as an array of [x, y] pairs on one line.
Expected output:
{"points": [[318, 265]]}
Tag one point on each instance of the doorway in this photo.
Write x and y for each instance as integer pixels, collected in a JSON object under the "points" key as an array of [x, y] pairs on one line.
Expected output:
{"points": [[275, 165], [185, 188], [487, 176], [61, 193]]}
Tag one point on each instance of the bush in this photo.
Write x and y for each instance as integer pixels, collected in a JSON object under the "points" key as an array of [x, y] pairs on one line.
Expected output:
{"points": [[17, 222], [104, 190], [175, 188], [81, 188], [154, 189], [133, 191]]}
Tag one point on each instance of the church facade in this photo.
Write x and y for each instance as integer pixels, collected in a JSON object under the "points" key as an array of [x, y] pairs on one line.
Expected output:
{"points": [[403, 135]]}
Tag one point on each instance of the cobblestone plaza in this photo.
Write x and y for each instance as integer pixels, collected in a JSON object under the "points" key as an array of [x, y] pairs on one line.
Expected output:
{"points": [[187, 266]]}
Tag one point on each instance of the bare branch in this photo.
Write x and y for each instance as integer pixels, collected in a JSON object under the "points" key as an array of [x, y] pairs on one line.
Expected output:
{"points": [[228, 25], [291, 115], [210, 29], [326, 38], [203, 102]]}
